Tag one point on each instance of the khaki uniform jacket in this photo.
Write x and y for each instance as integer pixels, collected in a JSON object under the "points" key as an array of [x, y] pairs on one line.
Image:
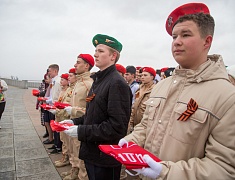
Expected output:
{"points": [[64, 97], [203, 147], [139, 106], [79, 94]]}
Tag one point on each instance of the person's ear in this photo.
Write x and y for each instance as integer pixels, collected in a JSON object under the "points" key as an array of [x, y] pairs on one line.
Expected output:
{"points": [[208, 41]]}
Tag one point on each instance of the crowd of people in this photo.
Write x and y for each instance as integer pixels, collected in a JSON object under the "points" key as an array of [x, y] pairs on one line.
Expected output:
{"points": [[183, 115]]}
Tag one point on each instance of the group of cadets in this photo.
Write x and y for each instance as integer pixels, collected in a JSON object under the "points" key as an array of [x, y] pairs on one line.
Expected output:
{"points": [[119, 104]]}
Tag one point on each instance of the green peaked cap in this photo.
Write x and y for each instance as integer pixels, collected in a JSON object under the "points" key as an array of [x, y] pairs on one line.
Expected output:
{"points": [[108, 41]]}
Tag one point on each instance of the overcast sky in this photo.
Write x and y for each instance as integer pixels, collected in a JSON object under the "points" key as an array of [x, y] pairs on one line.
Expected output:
{"points": [[37, 33]]}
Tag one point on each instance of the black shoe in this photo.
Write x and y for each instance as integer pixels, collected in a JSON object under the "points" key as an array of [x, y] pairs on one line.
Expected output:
{"points": [[48, 141], [52, 147], [45, 135], [55, 151]]}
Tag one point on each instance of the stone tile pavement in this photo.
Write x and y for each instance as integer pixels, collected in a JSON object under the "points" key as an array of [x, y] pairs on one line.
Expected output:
{"points": [[22, 153]]}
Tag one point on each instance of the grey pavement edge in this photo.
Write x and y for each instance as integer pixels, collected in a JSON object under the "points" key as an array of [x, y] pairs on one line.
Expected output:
{"points": [[22, 154]]}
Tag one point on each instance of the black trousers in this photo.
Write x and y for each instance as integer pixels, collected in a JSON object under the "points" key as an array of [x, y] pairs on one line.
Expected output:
{"points": [[102, 173], [2, 108], [57, 141]]}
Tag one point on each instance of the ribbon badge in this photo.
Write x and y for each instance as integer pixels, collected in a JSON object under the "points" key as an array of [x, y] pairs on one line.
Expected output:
{"points": [[191, 108], [89, 98]]}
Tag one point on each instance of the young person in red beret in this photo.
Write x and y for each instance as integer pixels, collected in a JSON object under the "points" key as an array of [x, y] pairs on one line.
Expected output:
{"points": [[57, 147], [189, 118], [61, 115], [83, 65], [107, 112], [121, 69], [142, 95]]}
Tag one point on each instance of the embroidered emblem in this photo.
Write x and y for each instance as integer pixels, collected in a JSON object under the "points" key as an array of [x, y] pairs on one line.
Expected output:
{"points": [[191, 108], [89, 98], [170, 21], [96, 42], [109, 41]]}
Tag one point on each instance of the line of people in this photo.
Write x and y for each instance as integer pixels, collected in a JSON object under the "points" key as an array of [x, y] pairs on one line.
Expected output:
{"points": [[186, 120]]}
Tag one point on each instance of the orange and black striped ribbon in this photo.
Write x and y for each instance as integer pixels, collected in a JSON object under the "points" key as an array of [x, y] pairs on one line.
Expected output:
{"points": [[89, 98], [191, 108]]}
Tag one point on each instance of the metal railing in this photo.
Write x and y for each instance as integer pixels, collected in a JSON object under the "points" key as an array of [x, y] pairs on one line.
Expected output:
{"points": [[24, 84]]}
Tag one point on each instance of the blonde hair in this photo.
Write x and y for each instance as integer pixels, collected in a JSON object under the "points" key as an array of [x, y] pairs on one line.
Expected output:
{"points": [[111, 50]]}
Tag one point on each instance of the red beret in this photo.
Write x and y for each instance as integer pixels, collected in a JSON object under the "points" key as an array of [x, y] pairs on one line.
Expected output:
{"points": [[120, 68], [72, 70], [190, 8], [149, 70], [138, 67], [88, 58], [164, 69], [65, 76]]}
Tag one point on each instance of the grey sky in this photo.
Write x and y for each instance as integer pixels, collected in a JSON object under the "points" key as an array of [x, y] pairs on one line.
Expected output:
{"points": [[36, 33]]}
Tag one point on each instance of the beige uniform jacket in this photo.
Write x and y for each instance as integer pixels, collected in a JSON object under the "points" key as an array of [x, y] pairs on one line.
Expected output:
{"points": [[203, 147], [139, 105], [64, 97], [79, 94]]}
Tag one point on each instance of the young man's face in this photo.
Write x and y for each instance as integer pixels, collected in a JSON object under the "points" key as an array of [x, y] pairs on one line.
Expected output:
{"points": [[129, 77], [188, 47], [52, 72], [103, 57], [81, 66]]}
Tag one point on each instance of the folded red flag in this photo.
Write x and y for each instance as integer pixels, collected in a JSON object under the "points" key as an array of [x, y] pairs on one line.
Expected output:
{"points": [[130, 156], [56, 126], [47, 107], [35, 92], [61, 105], [42, 98]]}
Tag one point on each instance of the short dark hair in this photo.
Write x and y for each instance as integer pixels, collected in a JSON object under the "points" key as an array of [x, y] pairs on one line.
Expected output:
{"points": [[205, 22]]}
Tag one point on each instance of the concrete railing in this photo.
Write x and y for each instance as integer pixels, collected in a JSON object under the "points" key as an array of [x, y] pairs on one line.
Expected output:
{"points": [[24, 84]]}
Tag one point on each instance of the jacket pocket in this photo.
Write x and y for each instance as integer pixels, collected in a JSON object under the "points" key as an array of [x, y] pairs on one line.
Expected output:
{"points": [[187, 131], [152, 108]]}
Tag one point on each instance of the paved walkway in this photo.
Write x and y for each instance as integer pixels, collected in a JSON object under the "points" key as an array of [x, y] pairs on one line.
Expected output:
{"points": [[22, 154]]}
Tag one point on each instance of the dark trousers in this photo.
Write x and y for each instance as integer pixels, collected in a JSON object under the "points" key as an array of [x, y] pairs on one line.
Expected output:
{"points": [[57, 141], [102, 173], [2, 107]]}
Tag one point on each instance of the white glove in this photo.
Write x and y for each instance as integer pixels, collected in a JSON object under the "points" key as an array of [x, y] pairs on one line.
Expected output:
{"points": [[66, 121], [68, 109], [49, 101], [53, 111], [122, 142], [154, 169], [72, 131]]}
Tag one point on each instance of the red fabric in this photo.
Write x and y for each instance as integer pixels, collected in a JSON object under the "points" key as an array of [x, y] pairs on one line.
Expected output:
{"points": [[56, 126], [72, 70], [88, 58], [47, 107], [138, 67], [189, 8], [120, 68], [164, 69], [149, 70], [65, 76], [60, 105], [131, 156], [35, 92], [42, 98]]}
